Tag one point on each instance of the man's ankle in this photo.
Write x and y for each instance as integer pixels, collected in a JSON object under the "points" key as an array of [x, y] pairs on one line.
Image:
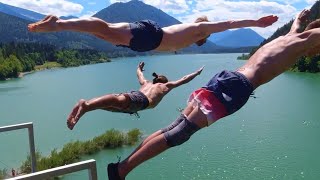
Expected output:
{"points": [[122, 170]]}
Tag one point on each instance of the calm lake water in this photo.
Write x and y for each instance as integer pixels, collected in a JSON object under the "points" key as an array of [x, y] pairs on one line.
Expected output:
{"points": [[275, 136]]}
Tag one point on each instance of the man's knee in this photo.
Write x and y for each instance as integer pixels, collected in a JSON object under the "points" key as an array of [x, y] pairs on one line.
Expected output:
{"points": [[180, 133], [173, 124]]}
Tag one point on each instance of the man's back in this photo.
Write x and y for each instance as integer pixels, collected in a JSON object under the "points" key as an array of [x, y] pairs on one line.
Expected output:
{"points": [[154, 92], [274, 58]]}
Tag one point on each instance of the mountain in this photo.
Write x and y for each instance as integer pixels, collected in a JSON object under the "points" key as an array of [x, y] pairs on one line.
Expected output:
{"points": [[68, 17], [134, 11], [244, 37], [19, 12], [13, 27], [220, 35]]}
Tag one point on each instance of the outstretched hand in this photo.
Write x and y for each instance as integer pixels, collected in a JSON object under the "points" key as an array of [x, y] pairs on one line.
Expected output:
{"points": [[267, 21], [303, 15], [141, 65], [200, 70]]}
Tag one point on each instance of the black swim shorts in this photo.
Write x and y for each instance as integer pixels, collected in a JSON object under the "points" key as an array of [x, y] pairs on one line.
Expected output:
{"points": [[147, 36]]}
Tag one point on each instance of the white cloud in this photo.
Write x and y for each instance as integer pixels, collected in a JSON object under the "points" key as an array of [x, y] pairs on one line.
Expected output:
{"points": [[223, 10], [310, 2], [88, 14], [56, 7]]}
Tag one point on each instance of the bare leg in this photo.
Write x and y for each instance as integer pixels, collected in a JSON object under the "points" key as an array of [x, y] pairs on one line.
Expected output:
{"points": [[186, 112], [300, 19], [53, 23], [156, 144], [105, 102]]}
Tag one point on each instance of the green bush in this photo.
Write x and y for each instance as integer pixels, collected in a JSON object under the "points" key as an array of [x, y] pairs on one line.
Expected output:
{"points": [[3, 173], [73, 151]]}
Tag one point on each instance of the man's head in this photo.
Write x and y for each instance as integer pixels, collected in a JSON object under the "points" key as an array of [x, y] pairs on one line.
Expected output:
{"points": [[198, 20], [159, 78]]}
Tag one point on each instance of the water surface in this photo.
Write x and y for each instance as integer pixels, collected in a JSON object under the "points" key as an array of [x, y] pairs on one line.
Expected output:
{"points": [[275, 136]]}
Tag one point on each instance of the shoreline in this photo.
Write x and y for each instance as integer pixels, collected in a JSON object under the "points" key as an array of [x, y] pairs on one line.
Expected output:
{"points": [[22, 74]]}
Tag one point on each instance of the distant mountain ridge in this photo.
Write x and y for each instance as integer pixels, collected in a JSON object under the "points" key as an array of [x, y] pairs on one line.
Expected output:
{"points": [[19, 12], [134, 11], [14, 21], [243, 37]]}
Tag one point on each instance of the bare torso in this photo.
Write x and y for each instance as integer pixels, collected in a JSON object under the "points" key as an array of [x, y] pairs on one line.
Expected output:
{"points": [[120, 34], [177, 36], [274, 58], [154, 92]]}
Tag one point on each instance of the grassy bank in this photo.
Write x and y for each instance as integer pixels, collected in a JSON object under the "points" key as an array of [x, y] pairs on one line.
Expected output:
{"points": [[73, 151], [47, 65]]}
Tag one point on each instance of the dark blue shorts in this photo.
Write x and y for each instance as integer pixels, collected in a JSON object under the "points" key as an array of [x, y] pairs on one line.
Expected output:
{"points": [[232, 89], [147, 36]]}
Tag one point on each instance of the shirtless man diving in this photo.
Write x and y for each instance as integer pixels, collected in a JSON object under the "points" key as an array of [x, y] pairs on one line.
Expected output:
{"points": [[149, 96], [147, 35], [226, 93]]}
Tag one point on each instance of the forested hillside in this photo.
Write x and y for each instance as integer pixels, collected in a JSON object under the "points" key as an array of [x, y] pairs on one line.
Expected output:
{"points": [[304, 64], [22, 57]]}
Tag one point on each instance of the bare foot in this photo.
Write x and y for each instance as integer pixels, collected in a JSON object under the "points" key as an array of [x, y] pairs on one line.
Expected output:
{"points": [[48, 24], [76, 113]]}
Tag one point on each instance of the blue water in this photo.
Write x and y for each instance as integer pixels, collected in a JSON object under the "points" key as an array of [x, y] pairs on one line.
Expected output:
{"points": [[275, 136]]}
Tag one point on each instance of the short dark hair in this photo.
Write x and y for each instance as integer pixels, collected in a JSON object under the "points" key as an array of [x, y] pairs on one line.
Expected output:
{"points": [[159, 78], [198, 20], [201, 19]]}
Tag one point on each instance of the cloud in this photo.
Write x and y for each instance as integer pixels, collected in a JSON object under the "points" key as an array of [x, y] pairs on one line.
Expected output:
{"points": [[88, 14], [56, 7], [310, 2], [222, 10]]}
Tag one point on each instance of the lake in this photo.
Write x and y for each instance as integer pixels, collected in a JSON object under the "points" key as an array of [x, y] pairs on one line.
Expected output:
{"points": [[274, 136]]}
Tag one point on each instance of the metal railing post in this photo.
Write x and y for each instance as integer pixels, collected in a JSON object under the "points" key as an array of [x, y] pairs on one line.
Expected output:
{"points": [[58, 171], [93, 172], [62, 170], [29, 126], [32, 149]]}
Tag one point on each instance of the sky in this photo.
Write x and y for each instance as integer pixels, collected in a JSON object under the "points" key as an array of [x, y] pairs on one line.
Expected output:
{"points": [[183, 10]]}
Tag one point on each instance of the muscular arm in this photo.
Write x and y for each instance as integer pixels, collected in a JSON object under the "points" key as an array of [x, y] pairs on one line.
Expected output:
{"points": [[185, 79], [262, 22], [141, 78]]}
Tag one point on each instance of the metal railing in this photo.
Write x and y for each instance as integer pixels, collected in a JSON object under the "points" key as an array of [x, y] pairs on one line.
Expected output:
{"points": [[62, 170], [29, 126]]}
